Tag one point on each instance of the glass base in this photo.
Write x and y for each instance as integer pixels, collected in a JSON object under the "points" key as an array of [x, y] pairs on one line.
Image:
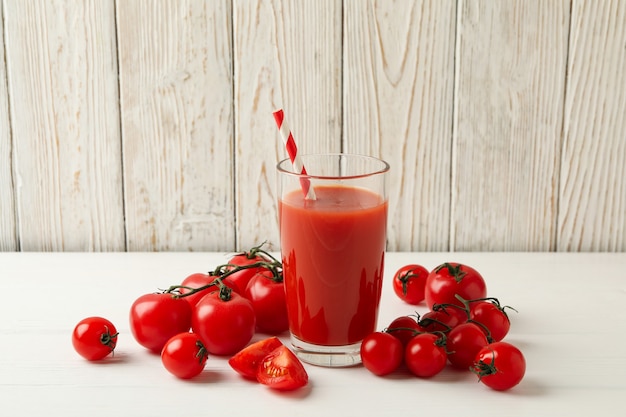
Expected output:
{"points": [[329, 356]]}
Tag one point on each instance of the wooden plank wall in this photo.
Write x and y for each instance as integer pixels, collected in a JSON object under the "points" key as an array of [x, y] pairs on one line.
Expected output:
{"points": [[141, 125]]}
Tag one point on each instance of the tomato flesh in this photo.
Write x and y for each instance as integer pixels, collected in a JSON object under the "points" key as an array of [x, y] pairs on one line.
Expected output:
{"points": [[282, 370], [246, 362]]}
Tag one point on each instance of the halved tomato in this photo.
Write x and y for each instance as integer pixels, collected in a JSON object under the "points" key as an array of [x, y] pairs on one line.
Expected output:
{"points": [[282, 370], [246, 362]]}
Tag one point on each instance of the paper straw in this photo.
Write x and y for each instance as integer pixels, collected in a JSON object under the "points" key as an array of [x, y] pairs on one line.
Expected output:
{"points": [[292, 150]]}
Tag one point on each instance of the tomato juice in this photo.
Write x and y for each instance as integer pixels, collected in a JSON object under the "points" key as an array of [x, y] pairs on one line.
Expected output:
{"points": [[333, 255]]}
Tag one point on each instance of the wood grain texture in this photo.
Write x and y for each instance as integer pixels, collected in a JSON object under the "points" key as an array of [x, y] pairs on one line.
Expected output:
{"points": [[8, 235], [510, 76], [65, 125], [287, 55], [177, 124], [592, 200], [398, 95]]}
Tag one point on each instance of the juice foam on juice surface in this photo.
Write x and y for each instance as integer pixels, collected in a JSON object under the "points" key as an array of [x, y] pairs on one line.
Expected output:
{"points": [[333, 257]]}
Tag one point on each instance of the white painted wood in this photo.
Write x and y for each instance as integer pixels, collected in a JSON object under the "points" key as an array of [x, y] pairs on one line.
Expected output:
{"points": [[562, 379], [592, 200], [287, 54], [177, 124], [65, 126], [8, 235], [510, 76], [397, 95]]}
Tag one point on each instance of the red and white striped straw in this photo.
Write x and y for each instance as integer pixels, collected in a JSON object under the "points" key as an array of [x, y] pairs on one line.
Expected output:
{"points": [[292, 150]]}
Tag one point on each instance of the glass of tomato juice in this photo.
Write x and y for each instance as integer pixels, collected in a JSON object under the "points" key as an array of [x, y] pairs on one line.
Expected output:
{"points": [[332, 249]]}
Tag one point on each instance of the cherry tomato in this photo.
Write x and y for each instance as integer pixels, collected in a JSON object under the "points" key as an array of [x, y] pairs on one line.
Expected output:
{"points": [[409, 283], [94, 338], [197, 280], [184, 355], [404, 328], [425, 355], [500, 366], [224, 320], [381, 353], [246, 361], [267, 295], [463, 343], [155, 318], [282, 370], [239, 280], [492, 316], [448, 280], [443, 319]]}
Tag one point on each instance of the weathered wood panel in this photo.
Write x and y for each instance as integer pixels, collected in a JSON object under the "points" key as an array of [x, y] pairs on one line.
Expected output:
{"points": [[8, 237], [592, 200], [177, 124], [287, 55], [65, 124], [398, 96], [510, 77]]}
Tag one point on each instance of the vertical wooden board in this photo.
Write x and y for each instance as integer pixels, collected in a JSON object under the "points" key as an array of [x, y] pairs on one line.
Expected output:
{"points": [[510, 69], [398, 101], [287, 55], [592, 204], [65, 125], [177, 124], [8, 238]]}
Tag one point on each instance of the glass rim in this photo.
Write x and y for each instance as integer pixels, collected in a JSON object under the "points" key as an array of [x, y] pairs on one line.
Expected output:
{"points": [[383, 169]]}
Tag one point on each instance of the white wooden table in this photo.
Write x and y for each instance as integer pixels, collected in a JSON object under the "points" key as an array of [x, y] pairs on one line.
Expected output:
{"points": [[571, 327]]}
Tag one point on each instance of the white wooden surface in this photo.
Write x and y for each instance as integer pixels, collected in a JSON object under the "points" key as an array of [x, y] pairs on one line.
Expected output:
{"points": [[142, 125], [569, 325]]}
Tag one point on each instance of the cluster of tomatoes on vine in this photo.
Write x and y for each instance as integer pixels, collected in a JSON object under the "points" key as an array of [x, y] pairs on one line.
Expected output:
{"points": [[215, 313], [463, 328]]}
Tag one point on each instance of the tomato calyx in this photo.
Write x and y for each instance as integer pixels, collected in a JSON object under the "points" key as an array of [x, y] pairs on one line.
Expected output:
{"points": [[109, 340], [482, 368], [203, 353], [405, 278], [454, 271]]}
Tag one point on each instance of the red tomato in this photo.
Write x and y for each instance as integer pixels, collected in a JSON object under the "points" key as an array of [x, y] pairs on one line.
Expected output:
{"points": [[463, 343], [443, 319], [425, 355], [282, 370], [94, 338], [500, 366], [239, 280], [381, 353], [225, 322], [155, 318], [197, 280], [448, 280], [492, 316], [267, 295], [184, 355], [404, 328], [246, 361], [409, 283]]}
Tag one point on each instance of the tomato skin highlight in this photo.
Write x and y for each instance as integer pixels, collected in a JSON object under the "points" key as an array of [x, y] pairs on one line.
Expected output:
{"points": [[451, 279], [282, 370], [246, 362], [184, 356], [225, 327], [381, 353], [409, 283], [94, 338], [155, 318], [500, 366], [425, 356]]}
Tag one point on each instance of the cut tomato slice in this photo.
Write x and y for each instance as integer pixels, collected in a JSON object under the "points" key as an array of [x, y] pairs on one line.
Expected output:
{"points": [[246, 361], [282, 370]]}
